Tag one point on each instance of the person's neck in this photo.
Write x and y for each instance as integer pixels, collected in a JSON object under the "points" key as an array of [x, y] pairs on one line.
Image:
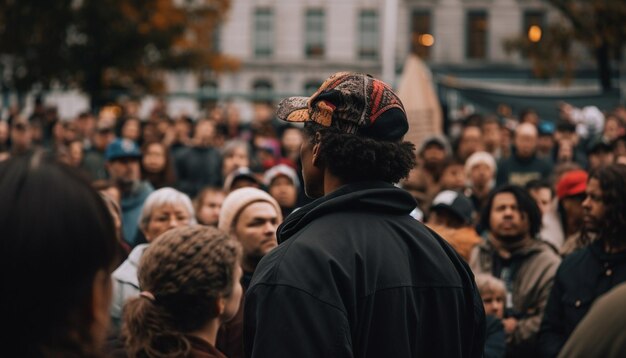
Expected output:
{"points": [[208, 332], [507, 248], [331, 182], [481, 191], [248, 266]]}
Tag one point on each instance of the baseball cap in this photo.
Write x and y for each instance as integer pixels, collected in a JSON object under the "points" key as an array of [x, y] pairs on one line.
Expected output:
{"points": [[439, 140], [355, 103], [281, 169], [239, 173], [455, 202], [546, 128], [572, 183], [122, 148]]}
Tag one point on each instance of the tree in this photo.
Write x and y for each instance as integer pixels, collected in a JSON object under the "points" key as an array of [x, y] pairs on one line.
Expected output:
{"points": [[598, 24], [105, 46]]}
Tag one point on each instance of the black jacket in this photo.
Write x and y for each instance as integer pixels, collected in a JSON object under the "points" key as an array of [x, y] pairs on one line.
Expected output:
{"points": [[582, 277], [356, 276]]}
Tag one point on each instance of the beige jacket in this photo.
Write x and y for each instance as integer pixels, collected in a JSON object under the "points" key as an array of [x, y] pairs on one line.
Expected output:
{"points": [[531, 289]]}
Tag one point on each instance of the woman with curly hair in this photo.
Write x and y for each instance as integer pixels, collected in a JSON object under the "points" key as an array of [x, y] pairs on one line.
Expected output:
{"points": [[190, 281], [597, 267]]}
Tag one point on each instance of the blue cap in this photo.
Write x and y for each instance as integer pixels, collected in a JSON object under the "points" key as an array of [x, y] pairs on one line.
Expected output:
{"points": [[122, 148], [546, 128]]}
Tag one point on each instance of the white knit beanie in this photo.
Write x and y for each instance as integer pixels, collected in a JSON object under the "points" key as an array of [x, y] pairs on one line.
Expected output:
{"points": [[480, 157], [239, 199]]}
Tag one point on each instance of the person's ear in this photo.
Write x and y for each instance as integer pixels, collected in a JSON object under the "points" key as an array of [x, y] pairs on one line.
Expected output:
{"points": [[316, 148], [101, 294], [220, 306]]}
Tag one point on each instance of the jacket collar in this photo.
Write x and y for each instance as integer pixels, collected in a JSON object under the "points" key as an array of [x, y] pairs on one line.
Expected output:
{"points": [[375, 196]]}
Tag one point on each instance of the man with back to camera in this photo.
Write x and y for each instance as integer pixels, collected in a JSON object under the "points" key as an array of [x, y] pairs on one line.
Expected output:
{"points": [[354, 275]]}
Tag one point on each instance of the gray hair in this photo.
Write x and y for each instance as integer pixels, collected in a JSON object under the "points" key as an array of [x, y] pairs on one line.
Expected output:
{"points": [[487, 283], [165, 196], [231, 145]]}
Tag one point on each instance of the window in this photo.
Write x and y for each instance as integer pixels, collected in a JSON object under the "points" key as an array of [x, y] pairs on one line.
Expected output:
{"points": [[263, 32], [368, 35], [533, 25], [421, 37], [315, 34], [262, 90], [311, 86], [476, 43], [216, 44]]}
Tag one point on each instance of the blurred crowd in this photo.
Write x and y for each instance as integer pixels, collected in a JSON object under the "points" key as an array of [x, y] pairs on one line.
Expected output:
{"points": [[537, 207]]}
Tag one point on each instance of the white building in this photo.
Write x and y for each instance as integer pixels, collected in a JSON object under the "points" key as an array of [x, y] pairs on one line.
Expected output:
{"points": [[289, 47]]}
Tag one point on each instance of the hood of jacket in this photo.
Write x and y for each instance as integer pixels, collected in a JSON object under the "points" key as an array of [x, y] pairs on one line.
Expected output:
{"points": [[374, 196]]}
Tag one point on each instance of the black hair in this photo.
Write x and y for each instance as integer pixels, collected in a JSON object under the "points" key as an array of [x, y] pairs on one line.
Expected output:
{"points": [[525, 203], [473, 120], [57, 234], [536, 184], [612, 180], [356, 158], [565, 126]]}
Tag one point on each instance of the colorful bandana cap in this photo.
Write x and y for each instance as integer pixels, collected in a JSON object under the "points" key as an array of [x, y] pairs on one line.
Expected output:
{"points": [[353, 102]]}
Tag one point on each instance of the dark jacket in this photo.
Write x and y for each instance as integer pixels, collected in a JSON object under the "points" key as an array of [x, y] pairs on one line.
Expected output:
{"points": [[582, 277], [197, 167], [495, 341], [602, 333], [355, 276], [519, 171]]}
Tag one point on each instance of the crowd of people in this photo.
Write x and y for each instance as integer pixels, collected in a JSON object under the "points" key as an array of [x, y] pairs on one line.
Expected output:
{"points": [[309, 215]]}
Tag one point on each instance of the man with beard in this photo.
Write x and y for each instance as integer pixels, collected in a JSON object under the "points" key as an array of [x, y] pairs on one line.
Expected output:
{"points": [[423, 180], [592, 271], [526, 264], [122, 162], [251, 217]]}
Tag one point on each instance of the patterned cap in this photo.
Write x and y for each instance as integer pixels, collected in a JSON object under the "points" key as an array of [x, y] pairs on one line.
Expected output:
{"points": [[353, 102]]}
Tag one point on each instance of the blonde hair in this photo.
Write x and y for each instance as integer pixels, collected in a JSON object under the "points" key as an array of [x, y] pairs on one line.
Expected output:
{"points": [[486, 283]]}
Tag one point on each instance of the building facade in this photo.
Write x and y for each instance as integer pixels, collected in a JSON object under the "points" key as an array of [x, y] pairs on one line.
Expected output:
{"points": [[288, 47]]}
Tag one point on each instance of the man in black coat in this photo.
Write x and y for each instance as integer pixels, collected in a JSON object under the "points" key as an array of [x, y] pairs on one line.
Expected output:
{"points": [[592, 271], [354, 275]]}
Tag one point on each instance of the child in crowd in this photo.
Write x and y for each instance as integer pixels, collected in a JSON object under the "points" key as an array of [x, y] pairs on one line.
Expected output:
{"points": [[493, 293]]}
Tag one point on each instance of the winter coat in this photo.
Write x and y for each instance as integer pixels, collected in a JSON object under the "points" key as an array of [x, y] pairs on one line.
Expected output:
{"points": [[583, 276], [536, 266], [131, 205], [125, 284], [355, 276], [602, 333], [495, 342], [462, 239], [197, 167], [519, 171]]}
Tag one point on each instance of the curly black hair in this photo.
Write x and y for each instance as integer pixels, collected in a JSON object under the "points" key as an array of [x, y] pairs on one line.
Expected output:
{"points": [[356, 158], [525, 203], [612, 180]]}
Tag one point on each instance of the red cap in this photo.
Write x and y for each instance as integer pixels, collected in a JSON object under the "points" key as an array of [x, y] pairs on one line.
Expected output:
{"points": [[572, 183]]}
